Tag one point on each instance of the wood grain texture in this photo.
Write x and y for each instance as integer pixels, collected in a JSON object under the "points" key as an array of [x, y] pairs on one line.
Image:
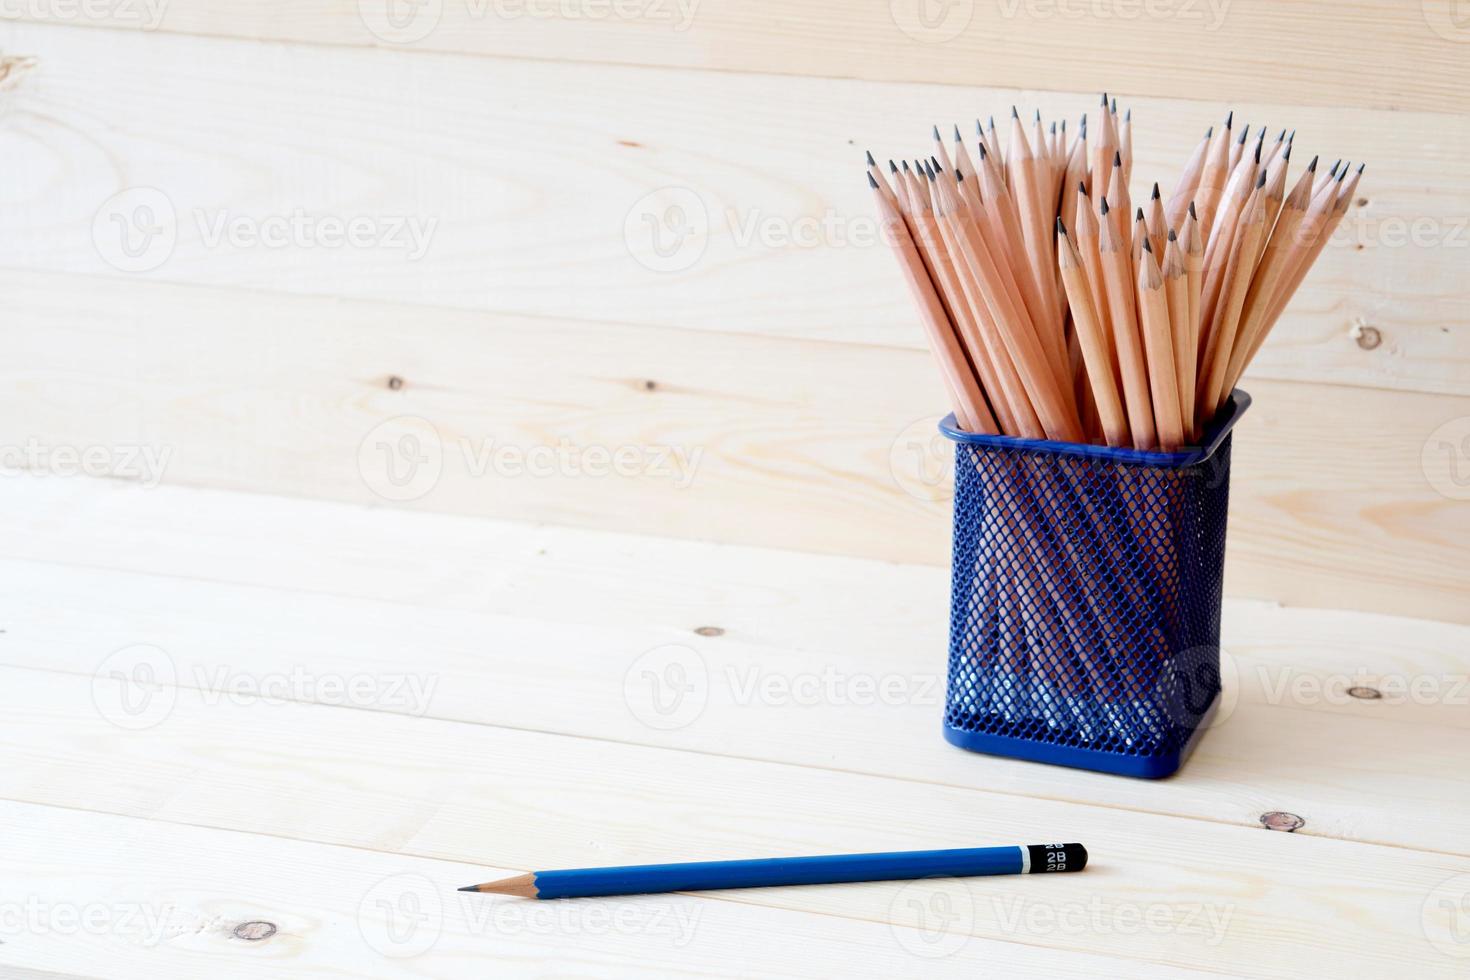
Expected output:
{"points": [[617, 194], [292, 395], [168, 903], [1288, 736], [1263, 904], [1413, 52]]}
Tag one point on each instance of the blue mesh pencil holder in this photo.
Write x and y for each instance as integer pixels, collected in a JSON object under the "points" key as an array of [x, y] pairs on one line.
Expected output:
{"points": [[1085, 604]]}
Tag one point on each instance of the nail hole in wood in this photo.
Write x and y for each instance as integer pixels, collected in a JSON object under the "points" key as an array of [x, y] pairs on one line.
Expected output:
{"points": [[710, 631], [394, 382], [1365, 693], [650, 385], [255, 930], [1282, 821]]}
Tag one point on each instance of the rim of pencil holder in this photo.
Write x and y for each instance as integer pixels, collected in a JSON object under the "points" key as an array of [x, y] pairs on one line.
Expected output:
{"points": [[1214, 437]]}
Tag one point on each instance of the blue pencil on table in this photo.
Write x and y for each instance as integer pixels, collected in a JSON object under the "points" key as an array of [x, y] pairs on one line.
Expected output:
{"points": [[824, 869]]}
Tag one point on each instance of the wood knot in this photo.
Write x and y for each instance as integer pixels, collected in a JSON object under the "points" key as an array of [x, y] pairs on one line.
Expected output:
{"points": [[1367, 337], [1365, 693], [650, 385], [710, 631], [394, 382], [1282, 821], [255, 930]]}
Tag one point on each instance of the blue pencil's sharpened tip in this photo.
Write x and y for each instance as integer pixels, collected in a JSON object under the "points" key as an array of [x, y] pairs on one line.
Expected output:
{"points": [[470, 888]]}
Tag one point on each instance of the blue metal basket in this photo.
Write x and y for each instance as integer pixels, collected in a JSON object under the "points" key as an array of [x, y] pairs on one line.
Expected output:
{"points": [[1085, 611]]}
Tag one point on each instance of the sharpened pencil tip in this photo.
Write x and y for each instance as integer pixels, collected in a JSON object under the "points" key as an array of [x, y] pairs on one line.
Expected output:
{"points": [[1014, 113], [1156, 191], [892, 168], [936, 132], [1038, 115], [1081, 188], [1312, 167], [979, 127], [1128, 116], [1061, 228], [870, 158], [1361, 166], [1286, 153], [470, 888], [1103, 206], [1261, 181], [1172, 236], [983, 153], [905, 166], [991, 127], [871, 182], [1230, 119], [1148, 247], [1210, 133], [957, 137], [937, 168], [1114, 109], [1191, 211], [1105, 100], [1117, 158], [1139, 215]]}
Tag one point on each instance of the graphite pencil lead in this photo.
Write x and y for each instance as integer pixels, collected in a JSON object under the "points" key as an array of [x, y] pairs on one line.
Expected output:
{"points": [[1103, 207], [1038, 115], [937, 168], [979, 127], [1128, 116], [1282, 136], [936, 132], [1014, 113], [871, 182], [957, 137], [1117, 158], [1172, 236], [1147, 247], [1343, 175], [1312, 167], [1361, 166], [983, 153], [1139, 215], [870, 158], [1191, 211], [1262, 181], [1210, 133], [1061, 228], [1229, 120], [1286, 153], [1081, 188], [905, 166], [1105, 100], [1155, 196], [1114, 109], [891, 168]]}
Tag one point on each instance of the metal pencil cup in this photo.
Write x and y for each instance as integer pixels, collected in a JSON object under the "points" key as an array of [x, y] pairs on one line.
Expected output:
{"points": [[1085, 606]]}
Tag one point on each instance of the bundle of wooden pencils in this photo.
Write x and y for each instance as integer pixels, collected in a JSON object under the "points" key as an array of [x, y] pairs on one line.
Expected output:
{"points": [[1055, 315]]}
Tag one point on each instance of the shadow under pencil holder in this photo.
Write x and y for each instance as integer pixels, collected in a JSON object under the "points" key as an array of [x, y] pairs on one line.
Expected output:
{"points": [[1085, 604]]}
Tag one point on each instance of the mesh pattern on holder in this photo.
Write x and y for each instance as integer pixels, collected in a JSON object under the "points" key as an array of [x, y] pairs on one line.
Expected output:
{"points": [[1085, 606]]}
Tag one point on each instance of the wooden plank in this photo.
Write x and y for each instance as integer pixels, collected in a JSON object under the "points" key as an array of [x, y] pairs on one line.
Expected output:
{"points": [[1194, 49], [762, 220], [738, 438], [1263, 904], [1288, 736], [166, 900]]}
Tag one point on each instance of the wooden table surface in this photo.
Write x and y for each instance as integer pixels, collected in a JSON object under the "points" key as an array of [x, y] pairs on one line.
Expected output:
{"points": [[248, 733]]}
